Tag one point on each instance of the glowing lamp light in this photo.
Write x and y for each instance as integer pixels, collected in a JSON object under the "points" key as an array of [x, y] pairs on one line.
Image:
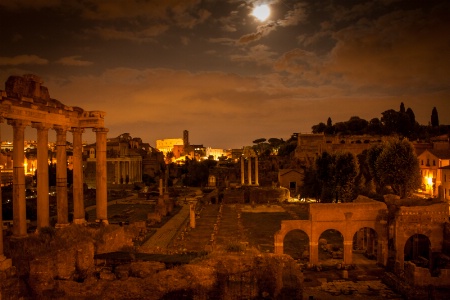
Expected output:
{"points": [[430, 180]]}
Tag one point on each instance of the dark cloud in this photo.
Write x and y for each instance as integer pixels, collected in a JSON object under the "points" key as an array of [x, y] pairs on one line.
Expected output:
{"points": [[213, 69]]}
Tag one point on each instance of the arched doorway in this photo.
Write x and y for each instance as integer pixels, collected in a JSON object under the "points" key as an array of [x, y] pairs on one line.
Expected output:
{"points": [[331, 247], [417, 250], [365, 246], [296, 244]]}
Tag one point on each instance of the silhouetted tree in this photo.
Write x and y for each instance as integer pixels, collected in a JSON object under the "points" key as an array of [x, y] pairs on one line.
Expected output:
{"points": [[402, 108], [319, 128], [375, 127], [345, 172], [311, 187], [434, 118], [371, 159]]}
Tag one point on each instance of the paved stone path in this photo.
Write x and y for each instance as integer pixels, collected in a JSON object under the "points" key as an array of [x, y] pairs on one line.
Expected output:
{"points": [[159, 241]]}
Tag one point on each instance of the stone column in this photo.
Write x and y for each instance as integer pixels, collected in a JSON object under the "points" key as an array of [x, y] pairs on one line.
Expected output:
{"points": [[43, 205], [313, 253], [249, 171], [256, 171], [62, 209], [5, 263], [348, 253], [19, 202], [78, 197], [242, 170], [101, 183]]}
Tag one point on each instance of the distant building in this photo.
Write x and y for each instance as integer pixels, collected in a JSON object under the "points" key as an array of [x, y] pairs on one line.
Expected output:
{"points": [[431, 162], [167, 145], [291, 179], [123, 158], [215, 153]]}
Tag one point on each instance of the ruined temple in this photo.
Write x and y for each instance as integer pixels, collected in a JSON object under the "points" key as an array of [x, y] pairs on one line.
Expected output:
{"points": [[26, 102]]}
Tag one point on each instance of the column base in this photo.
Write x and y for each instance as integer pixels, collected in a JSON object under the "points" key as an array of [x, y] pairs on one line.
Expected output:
{"points": [[79, 221], [5, 263], [103, 222], [59, 225]]}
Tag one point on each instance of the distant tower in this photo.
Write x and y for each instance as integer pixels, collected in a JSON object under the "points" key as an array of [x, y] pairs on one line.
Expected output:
{"points": [[185, 138]]}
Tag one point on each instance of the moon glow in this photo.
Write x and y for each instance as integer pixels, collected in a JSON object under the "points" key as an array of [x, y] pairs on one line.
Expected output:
{"points": [[261, 12]]}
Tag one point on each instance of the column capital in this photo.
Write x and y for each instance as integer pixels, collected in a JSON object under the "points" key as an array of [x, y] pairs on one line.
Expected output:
{"points": [[42, 126], [77, 130], [61, 129], [18, 123], [100, 130]]}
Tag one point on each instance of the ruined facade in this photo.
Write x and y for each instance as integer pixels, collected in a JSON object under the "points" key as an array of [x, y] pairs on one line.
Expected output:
{"points": [[123, 161], [26, 102]]}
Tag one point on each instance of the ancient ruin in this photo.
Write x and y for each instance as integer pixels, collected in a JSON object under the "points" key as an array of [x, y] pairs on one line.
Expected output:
{"points": [[26, 102]]}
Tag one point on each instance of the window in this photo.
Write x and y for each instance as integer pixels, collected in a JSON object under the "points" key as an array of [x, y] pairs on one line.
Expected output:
{"points": [[421, 162], [434, 162], [428, 161]]}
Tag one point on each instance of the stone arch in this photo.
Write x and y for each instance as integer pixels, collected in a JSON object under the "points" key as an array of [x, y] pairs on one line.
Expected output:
{"points": [[365, 244], [417, 249], [296, 243], [331, 244]]}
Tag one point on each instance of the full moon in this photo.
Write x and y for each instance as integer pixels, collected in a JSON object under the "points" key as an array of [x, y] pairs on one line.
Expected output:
{"points": [[261, 12]]}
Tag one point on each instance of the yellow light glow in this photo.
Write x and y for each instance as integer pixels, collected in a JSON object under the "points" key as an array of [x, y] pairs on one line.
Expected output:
{"points": [[261, 12], [430, 180]]}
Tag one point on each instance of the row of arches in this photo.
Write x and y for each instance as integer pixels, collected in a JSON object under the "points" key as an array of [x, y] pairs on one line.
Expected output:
{"points": [[365, 248]]}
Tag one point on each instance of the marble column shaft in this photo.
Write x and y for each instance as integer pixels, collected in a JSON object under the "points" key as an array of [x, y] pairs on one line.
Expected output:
{"points": [[19, 202], [78, 197], [101, 184], [62, 208], [43, 205], [242, 170], [249, 171], [256, 171]]}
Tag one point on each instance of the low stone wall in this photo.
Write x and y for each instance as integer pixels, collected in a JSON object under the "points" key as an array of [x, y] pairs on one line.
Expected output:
{"points": [[421, 277]]}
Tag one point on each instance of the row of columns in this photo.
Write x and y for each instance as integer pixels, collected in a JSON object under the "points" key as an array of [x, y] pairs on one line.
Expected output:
{"points": [[43, 207], [130, 168], [249, 171]]}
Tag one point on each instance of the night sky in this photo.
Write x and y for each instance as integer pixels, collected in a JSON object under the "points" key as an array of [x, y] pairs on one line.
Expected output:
{"points": [[158, 67]]}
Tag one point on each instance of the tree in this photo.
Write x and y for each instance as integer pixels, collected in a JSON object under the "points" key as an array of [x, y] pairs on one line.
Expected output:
{"points": [[375, 127], [330, 128], [402, 108], [345, 172], [311, 187], [319, 128], [258, 147], [434, 118], [275, 144], [325, 174], [371, 160], [397, 165], [336, 174]]}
